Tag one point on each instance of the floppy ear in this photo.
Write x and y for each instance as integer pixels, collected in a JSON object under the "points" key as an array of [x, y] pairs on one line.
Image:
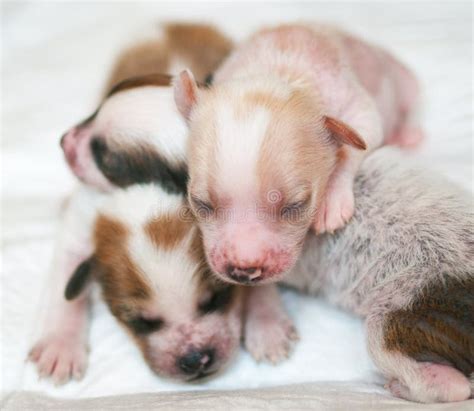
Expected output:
{"points": [[344, 134], [79, 279], [185, 93]]}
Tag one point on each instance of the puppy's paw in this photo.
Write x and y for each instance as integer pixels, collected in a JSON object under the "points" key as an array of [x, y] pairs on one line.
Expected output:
{"points": [[270, 338], [398, 389], [335, 211], [60, 357], [432, 383]]}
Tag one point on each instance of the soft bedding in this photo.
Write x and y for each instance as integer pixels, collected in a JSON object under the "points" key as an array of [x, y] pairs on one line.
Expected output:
{"points": [[55, 60]]}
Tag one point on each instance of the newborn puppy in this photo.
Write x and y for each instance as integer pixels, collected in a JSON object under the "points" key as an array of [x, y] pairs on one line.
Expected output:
{"points": [[144, 249], [405, 263], [290, 116], [136, 135], [146, 254]]}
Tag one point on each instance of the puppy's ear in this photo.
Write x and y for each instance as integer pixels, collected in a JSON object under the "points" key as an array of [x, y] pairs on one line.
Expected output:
{"points": [[344, 134], [185, 93], [80, 278]]}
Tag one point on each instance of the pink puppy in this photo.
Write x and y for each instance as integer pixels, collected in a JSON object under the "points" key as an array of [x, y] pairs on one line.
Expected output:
{"points": [[276, 142]]}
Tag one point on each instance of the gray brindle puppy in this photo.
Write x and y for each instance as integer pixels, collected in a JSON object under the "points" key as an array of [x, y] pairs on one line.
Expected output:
{"points": [[405, 264]]}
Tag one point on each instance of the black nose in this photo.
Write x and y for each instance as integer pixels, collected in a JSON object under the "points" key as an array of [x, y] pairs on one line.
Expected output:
{"points": [[244, 275], [196, 361]]}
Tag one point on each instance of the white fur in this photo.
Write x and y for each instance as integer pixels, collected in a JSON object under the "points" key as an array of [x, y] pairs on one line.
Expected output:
{"points": [[169, 272], [144, 114], [238, 144]]}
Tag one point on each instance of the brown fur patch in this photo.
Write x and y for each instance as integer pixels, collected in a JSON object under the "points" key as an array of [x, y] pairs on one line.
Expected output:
{"points": [[438, 326], [202, 47], [142, 59], [124, 288], [168, 230]]}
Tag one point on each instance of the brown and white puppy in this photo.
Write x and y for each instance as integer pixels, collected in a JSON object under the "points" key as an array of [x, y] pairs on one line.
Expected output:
{"points": [[405, 263], [146, 254], [283, 129], [136, 134]]}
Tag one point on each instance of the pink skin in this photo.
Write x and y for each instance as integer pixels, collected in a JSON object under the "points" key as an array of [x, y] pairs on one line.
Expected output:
{"points": [[76, 147], [449, 384], [245, 240], [247, 246], [216, 332], [269, 333], [61, 353]]}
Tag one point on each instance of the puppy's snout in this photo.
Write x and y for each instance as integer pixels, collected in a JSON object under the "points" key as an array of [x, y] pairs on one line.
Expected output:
{"points": [[195, 361], [244, 275]]}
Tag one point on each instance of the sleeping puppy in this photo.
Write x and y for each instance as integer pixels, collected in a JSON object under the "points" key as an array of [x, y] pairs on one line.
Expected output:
{"points": [[113, 148], [147, 257], [136, 134], [286, 124], [405, 264]]}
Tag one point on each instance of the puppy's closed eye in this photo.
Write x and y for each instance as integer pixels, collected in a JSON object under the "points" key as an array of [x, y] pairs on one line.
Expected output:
{"points": [[142, 326], [218, 301]]}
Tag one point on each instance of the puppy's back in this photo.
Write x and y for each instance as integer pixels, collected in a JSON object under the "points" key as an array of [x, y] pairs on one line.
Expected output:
{"points": [[407, 257], [410, 226], [199, 47]]}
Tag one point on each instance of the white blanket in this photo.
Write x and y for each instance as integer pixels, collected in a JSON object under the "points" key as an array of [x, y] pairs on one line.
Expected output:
{"points": [[55, 60]]}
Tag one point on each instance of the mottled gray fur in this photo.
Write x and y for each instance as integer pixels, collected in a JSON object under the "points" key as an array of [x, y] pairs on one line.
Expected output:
{"points": [[411, 228]]}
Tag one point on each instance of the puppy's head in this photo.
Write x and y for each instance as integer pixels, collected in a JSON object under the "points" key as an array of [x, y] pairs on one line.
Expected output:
{"points": [[150, 265], [260, 155], [135, 136]]}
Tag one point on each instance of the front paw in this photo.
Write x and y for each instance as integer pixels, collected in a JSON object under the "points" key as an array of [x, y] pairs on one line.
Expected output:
{"points": [[335, 211], [270, 340], [60, 357]]}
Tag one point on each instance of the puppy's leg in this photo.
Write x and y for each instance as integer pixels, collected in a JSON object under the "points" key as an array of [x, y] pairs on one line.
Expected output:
{"points": [[61, 351], [268, 331], [337, 205], [410, 379]]}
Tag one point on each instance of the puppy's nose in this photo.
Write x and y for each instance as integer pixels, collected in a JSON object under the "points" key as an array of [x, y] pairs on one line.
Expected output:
{"points": [[196, 361], [244, 275]]}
